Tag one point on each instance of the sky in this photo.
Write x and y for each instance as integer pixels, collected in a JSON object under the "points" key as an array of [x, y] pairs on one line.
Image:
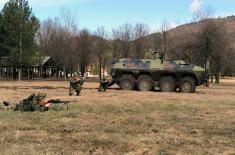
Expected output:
{"points": [[113, 13]]}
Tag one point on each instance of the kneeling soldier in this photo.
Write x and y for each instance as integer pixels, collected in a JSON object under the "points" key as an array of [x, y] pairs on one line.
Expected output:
{"points": [[105, 83], [75, 84]]}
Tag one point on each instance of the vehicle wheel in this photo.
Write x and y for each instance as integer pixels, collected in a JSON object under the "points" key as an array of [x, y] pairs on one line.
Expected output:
{"points": [[187, 85], [127, 82], [145, 83], [168, 84]]}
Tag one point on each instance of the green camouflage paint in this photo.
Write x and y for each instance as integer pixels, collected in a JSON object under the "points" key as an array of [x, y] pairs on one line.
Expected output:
{"points": [[156, 68]]}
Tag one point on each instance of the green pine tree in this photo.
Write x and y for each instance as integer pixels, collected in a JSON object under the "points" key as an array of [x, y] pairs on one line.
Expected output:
{"points": [[2, 50], [18, 30]]}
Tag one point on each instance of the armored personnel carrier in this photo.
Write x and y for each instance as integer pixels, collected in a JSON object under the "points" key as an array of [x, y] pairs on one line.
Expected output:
{"points": [[148, 74]]}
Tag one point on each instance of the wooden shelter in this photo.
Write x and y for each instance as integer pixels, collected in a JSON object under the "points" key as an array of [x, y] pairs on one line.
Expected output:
{"points": [[46, 69]]}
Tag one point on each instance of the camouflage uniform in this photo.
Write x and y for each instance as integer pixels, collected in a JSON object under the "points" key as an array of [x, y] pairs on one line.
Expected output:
{"points": [[39, 103], [105, 83], [75, 84], [32, 103]]}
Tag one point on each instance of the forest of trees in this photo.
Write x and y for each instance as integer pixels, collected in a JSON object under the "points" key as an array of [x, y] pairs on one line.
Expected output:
{"points": [[18, 27], [24, 40]]}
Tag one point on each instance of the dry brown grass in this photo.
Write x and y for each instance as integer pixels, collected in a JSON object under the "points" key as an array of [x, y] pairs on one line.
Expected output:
{"points": [[120, 122]]}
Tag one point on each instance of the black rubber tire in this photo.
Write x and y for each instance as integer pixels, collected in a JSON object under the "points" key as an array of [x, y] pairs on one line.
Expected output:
{"points": [[127, 82], [187, 85], [145, 83], [167, 84]]}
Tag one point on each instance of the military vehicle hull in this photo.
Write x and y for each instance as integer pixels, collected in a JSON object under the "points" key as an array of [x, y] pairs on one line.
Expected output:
{"points": [[147, 74]]}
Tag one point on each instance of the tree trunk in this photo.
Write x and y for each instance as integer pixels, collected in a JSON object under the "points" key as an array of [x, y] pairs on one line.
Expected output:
{"points": [[217, 76], [217, 80], [40, 72], [19, 74], [65, 74], [212, 78], [104, 70], [100, 70]]}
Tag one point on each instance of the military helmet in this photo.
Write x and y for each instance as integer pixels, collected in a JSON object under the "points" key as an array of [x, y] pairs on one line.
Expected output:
{"points": [[75, 75], [40, 96]]}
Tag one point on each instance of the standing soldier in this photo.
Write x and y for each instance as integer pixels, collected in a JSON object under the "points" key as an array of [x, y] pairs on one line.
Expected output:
{"points": [[75, 84]]}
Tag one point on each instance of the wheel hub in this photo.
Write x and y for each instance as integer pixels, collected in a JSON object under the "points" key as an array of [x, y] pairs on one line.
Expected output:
{"points": [[167, 86], [126, 85], [144, 85], [186, 87]]}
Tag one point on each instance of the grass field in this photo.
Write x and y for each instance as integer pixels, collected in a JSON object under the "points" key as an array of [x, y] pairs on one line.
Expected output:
{"points": [[120, 122]]}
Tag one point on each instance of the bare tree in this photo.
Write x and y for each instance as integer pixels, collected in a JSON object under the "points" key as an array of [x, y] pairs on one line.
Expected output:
{"points": [[202, 42], [102, 49], [140, 39], [84, 46], [212, 42], [69, 31], [182, 45], [165, 27], [155, 39], [116, 44], [56, 38], [49, 39], [68, 20], [123, 36]]}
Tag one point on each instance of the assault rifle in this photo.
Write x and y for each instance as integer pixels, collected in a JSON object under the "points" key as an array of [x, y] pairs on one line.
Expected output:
{"points": [[58, 101]]}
